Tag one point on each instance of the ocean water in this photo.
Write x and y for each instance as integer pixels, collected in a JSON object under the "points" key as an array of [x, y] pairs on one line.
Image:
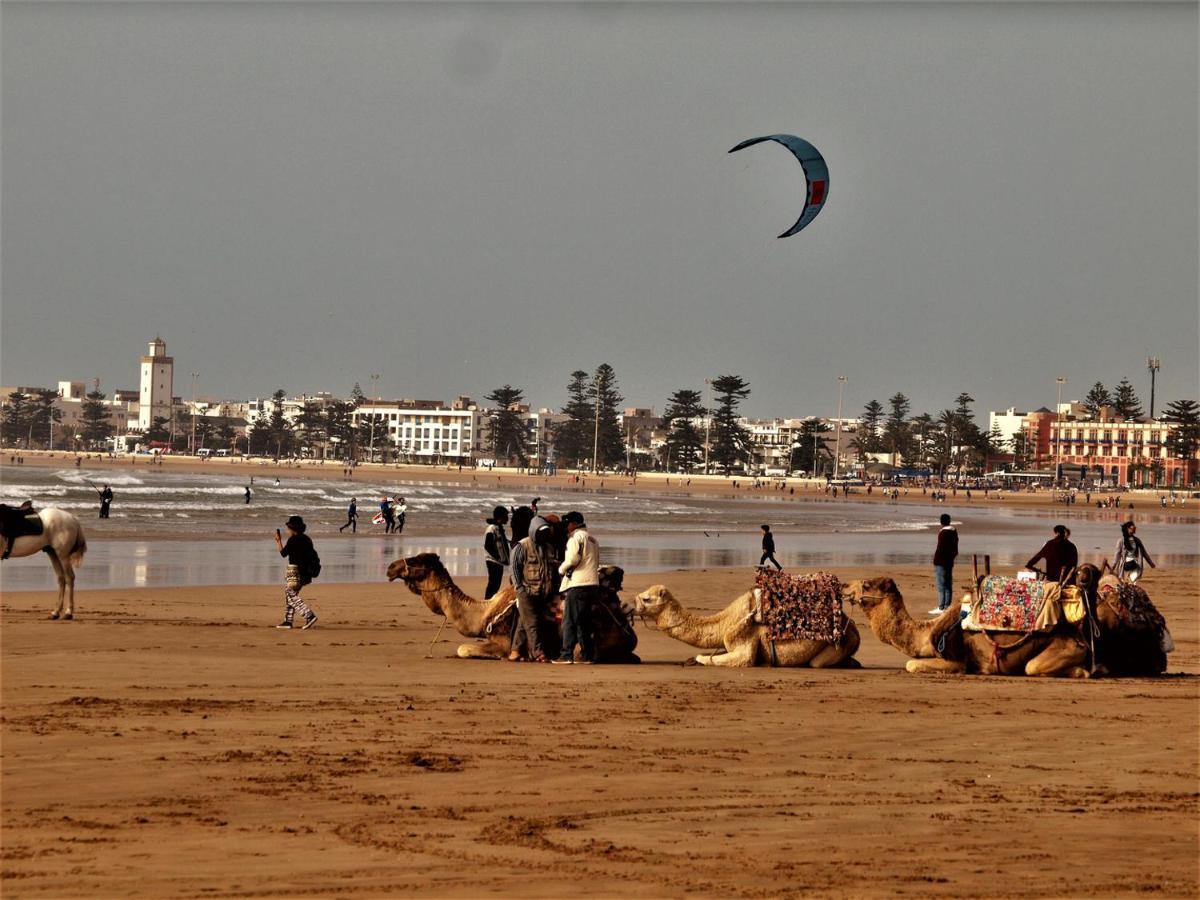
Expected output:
{"points": [[183, 513]]}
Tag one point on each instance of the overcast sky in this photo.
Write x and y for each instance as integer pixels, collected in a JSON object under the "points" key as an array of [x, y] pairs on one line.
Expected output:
{"points": [[460, 196]]}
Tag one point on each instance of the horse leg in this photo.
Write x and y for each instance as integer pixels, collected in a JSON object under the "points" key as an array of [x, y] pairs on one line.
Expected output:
{"points": [[69, 571], [62, 582]]}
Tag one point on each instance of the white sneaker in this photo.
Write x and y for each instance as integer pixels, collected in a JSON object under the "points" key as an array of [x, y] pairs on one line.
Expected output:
{"points": [[936, 611]]}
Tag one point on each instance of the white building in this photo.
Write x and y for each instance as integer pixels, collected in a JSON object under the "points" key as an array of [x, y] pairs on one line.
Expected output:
{"points": [[155, 396], [422, 430], [1010, 423]]}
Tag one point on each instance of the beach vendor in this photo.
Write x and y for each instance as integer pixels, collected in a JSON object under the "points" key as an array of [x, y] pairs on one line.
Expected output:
{"points": [[581, 580], [943, 564], [534, 571], [497, 550], [1060, 555], [303, 565], [1131, 554]]}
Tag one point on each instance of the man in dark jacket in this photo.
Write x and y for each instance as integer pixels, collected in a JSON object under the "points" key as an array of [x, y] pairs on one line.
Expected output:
{"points": [[535, 577], [496, 550], [943, 564], [1061, 557]]}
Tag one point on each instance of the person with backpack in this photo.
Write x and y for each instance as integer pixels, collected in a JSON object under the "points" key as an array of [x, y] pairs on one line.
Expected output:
{"points": [[303, 566]]}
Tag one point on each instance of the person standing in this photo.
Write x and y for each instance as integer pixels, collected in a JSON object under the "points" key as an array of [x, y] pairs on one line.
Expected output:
{"points": [[1061, 557], [1131, 554], [400, 511], [303, 565], [533, 575], [497, 551], [389, 518], [106, 498], [768, 548], [247, 495], [943, 564], [351, 517], [581, 580]]}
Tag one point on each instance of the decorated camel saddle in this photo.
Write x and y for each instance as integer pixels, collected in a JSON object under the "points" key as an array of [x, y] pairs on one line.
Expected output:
{"points": [[1006, 603], [799, 607], [1137, 613]]}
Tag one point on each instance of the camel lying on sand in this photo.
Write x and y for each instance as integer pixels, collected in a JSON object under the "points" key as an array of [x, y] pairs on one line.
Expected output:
{"points": [[1062, 652], [742, 642], [491, 620]]}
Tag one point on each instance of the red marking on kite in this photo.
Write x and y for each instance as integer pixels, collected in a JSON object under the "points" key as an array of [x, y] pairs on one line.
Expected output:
{"points": [[818, 192]]}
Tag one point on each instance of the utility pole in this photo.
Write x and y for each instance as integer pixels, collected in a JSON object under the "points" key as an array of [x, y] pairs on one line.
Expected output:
{"points": [[707, 422], [837, 445], [195, 375], [596, 431], [1153, 364], [1058, 426]]}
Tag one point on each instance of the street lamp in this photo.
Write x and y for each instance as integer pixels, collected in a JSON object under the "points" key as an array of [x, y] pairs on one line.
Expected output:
{"points": [[837, 444], [195, 375], [1153, 364], [596, 430], [1058, 426], [374, 405]]}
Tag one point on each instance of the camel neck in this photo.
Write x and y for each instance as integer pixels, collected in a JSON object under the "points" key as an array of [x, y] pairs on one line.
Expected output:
{"points": [[892, 624], [466, 613], [699, 631]]}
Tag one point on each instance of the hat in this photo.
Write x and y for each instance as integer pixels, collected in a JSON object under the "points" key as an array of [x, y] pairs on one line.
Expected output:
{"points": [[573, 518], [500, 514], [296, 524]]}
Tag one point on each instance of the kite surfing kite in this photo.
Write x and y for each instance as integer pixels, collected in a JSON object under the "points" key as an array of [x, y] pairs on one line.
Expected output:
{"points": [[815, 171]]}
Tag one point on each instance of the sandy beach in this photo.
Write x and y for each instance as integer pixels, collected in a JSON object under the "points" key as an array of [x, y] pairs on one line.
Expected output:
{"points": [[171, 743]]}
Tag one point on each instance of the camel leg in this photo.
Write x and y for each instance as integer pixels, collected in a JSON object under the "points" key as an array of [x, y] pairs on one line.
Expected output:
{"points": [[830, 657], [740, 657], [62, 585], [480, 650], [1054, 662], [934, 667]]}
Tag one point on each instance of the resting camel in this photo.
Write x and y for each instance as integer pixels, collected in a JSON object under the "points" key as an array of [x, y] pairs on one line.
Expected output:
{"points": [[1059, 653], [615, 639], [743, 642], [62, 540]]}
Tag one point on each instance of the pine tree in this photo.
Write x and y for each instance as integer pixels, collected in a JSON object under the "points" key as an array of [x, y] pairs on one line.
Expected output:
{"points": [[339, 427], [729, 439], [94, 421], [572, 438], [311, 425], [159, 430], [1096, 398], [44, 414], [1125, 401], [867, 439], [685, 445], [896, 437], [810, 449], [608, 435], [1184, 439], [17, 412], [509, 440], [920, 429]]}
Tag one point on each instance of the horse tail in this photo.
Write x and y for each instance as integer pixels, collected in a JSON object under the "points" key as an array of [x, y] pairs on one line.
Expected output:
{"points": [[79, 548]]}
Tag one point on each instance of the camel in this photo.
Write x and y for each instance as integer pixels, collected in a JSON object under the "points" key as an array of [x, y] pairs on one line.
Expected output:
{"points": [[740, 641], [491, 620], [1056, 654], [62, 540]]}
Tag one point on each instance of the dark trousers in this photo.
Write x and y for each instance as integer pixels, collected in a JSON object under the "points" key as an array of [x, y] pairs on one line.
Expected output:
{"points": [[495, 579], [577, 622], [389, 522], [769, 554], [351, 523], [103, 509]]}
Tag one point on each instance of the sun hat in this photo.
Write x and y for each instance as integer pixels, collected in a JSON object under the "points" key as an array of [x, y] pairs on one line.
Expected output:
{"points": [[296, 524]]}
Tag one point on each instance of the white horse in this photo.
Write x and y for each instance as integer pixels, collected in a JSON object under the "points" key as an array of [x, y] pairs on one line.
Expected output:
{"points": [[62, 540]]}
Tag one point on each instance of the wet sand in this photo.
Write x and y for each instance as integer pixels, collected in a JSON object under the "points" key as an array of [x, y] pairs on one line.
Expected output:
{"points": [[169, 742]]}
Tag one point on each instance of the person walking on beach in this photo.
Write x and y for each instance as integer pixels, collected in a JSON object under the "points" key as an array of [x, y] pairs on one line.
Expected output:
{"points": [[303, 566], [581, 580], [400, 511], [247, 495], [533, 575], [1061, 557], [768, 548], [1131, 554], [943, 564], [497, 551], [106, 498], [351, 517], [389, 518]]}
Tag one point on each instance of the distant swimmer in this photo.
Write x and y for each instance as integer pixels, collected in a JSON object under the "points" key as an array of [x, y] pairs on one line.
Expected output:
{"points": [[247, 493]]}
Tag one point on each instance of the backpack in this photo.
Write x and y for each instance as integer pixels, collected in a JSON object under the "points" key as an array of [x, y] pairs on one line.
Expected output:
{"points": [[313, 569]]}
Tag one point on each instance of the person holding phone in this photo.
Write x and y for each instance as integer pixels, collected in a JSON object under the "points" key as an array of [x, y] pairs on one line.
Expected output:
{"points": [[303, 563]]}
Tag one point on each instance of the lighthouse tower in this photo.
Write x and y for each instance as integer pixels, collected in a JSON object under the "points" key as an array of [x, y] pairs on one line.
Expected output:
{"points": [[157, 384]]}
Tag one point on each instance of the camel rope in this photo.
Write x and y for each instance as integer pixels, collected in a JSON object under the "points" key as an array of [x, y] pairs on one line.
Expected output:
{"points": [[429, 655]]}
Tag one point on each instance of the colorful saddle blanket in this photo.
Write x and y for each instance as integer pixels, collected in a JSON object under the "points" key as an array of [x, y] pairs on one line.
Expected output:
{"points": [[1008, 604], [801, 607], [1133, 605]]}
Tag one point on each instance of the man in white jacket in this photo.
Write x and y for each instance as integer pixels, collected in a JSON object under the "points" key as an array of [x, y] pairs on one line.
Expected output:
{"points": [[581, 581]]}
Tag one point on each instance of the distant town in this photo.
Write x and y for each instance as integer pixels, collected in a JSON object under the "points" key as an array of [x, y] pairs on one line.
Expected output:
{"points": [[1107, 438]]}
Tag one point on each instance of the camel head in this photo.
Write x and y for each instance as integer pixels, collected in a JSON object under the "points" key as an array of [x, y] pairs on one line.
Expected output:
{"points": [[652, 601], [871, 593], [424, 571], [612, 578]]}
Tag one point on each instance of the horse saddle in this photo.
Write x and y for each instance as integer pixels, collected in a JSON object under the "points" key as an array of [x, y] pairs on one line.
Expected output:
{"points": [[15, 523]]}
